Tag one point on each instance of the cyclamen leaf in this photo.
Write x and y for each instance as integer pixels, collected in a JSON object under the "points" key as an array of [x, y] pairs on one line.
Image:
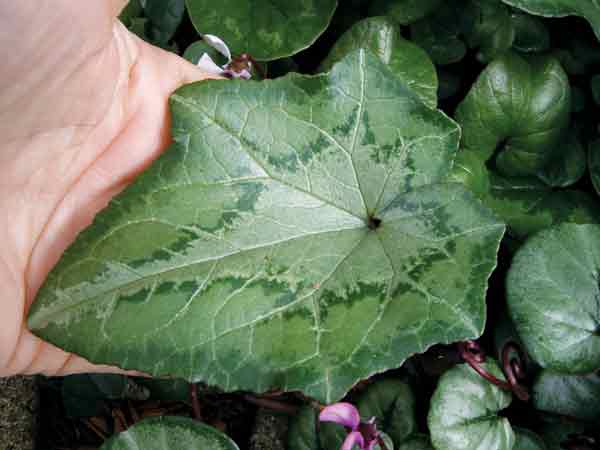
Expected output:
{"points": [[439, 33], [488, 27], [250, 255], [590, 10], [463, 412], [266, 29], [519, 107], [554, 299], [165, 16], [568, 395], [382, 36], [170, 433]]}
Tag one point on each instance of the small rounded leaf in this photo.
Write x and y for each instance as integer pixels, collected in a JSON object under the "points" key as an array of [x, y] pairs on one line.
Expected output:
{"points": [[392, 402], [554, 297], [568, 395], [170, 433], [519, 107], [266, 29], [464, 408], [439, 34]]}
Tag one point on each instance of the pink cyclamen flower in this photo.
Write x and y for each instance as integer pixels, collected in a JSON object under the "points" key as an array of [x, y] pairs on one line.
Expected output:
{"points": [[362, 434]]}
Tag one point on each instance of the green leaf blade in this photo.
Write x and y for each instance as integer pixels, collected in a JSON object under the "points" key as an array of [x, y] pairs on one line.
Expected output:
{"points": [[266, 29], [170, 432], [244, 258]]}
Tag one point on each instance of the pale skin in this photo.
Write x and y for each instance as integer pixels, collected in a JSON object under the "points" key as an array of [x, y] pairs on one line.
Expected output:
{"points": [[83, 110]]}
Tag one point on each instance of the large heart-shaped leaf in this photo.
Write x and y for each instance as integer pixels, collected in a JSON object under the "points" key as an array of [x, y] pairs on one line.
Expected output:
{"points": [[569, 395], [518, 107], [382, 36], [554, 297], [300, 235], [266, 29], [170, 433], [588, 9], [464, 411]]}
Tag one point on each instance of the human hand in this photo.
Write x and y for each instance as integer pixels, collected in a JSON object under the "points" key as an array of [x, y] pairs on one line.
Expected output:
{"points": [[83, 109]]}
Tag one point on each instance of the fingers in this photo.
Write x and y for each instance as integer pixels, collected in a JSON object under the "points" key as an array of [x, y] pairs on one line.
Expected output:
{"points": [[34, 356]]}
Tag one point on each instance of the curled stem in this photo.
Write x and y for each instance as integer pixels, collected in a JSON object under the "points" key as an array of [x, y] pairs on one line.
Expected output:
{"points": [[472, 353]]}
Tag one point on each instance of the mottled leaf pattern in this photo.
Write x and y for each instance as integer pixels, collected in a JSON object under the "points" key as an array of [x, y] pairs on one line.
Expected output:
{"points": [[249, 256], [170, 433], [554, 297], [464, 411], [267, 29]]}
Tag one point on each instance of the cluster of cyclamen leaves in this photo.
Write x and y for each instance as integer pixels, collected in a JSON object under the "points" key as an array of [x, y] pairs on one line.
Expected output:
{"points": [[308, 231]]}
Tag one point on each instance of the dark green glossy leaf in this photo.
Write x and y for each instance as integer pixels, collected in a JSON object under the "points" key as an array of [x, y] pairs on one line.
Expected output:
{"points": [[133, 10], [404, 11], [392, 402], [464, 411], [594, 163], [257, 261], [520, 108], [569, 395], [554, 298], [417, 442], [439, 34], [405, 59], [165, 16], [170, 433], [266, 29], [469, 169], [489, 27], [569, 164], [527, 440], [531, 35], [587, 9]]}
